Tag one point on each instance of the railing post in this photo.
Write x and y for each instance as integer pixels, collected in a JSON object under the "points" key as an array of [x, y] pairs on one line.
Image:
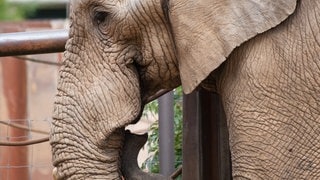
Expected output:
{"points": [[166, 134], [205, 138], [15, 90], [191, 168]]}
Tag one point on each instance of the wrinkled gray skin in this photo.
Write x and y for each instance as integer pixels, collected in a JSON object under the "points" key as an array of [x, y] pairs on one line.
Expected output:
{"points": [[263, 57]]}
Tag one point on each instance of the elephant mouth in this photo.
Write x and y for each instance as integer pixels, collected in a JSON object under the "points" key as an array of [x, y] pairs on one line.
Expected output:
{"points": [[109, 146], [147, 99]]}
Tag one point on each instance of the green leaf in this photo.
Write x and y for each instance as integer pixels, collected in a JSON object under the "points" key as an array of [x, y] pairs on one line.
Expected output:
{"points": [[15, 12]]}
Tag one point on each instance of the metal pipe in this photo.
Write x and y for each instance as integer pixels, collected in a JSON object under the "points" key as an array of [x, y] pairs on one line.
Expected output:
{"points": [[15, 90], [166, 134], [205, 147], [37, 42], [191, 137]]}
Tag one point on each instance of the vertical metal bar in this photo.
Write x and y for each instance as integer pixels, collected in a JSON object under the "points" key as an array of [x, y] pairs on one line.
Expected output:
{"points": [[15, 90], [223, 149], [209, 139], [205, 138], [191, 138], [209, 131], [166, 134]]}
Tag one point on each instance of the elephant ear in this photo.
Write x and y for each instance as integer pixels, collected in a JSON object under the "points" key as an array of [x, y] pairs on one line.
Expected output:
{"points": [[206, 31]]}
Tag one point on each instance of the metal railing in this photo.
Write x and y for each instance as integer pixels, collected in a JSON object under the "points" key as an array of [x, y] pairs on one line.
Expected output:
{"points": [[38, 42]]}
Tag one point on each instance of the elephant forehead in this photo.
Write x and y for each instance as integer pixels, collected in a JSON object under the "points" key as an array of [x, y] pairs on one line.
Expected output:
{"points": [[79, 3]]}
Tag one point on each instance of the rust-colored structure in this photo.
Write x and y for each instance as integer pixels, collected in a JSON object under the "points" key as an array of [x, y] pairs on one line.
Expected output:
{"points": [[16, 163], [14, 73]]}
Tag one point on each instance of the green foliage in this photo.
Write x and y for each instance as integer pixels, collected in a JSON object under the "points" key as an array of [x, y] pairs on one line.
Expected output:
{"points": [[15, 12], [152, 163]]}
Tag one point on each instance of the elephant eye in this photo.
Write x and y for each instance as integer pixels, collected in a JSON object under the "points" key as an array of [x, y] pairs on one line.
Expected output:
{"points": [[100, 17]]}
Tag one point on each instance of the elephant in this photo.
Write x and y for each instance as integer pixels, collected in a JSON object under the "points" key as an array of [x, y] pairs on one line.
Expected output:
{"points": [[261, 56]]}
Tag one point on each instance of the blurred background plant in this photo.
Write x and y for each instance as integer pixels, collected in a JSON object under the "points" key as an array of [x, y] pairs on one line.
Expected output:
{"points": [[14, 12], [152, 162]]}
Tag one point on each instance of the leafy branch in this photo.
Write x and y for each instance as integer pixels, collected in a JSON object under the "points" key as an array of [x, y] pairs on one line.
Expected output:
{"points": [[15, 12], [152, 163]]}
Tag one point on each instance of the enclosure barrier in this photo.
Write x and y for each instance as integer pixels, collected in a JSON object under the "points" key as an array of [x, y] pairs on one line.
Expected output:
{"points": [[24, 43], [203, 153]]}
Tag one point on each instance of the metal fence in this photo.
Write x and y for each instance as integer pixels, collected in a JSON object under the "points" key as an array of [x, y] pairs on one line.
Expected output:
{"points": [[26, 97], [25, 162]]}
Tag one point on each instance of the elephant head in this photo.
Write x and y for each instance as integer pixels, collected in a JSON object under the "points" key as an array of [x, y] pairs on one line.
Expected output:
{"points": [[120, 53]]}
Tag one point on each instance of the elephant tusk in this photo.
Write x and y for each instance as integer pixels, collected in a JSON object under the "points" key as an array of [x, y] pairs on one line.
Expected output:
{"points": [[54, 173]]}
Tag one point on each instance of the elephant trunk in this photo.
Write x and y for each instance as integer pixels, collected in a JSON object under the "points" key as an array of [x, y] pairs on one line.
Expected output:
{"points": [[74, 157], [129, 165], [86, 148], [95, 101]]}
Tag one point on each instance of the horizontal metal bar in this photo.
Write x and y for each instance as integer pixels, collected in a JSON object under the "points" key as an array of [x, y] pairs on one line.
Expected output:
{"points": [[37, 42]]}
